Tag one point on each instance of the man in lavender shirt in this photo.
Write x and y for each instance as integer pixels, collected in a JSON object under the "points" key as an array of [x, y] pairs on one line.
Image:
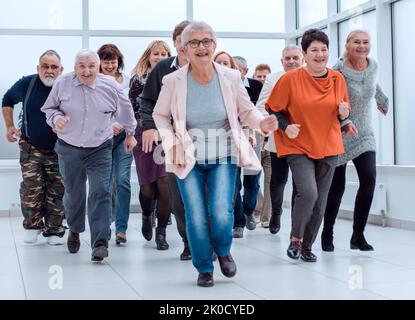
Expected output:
{"points": [[80, 109]]}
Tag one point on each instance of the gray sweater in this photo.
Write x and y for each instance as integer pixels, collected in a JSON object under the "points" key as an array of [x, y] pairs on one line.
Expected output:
{"points": [[362, 88]]}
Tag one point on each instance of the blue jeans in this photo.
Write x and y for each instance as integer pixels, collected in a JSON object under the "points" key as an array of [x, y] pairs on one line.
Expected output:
{"points": [[247, 206], [121, 174], [209, 217]]}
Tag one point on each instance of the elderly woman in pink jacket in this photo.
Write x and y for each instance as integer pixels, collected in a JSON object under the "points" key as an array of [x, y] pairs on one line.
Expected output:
{"points": [[198, 116]]}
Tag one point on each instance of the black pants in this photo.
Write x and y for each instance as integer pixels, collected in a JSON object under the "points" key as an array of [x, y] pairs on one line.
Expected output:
{"points": [[279, 176], [177, 206], [366, 170]]}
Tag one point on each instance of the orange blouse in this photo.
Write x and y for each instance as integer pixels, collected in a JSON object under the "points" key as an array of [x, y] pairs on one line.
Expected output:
{"points": [[312, 103]]}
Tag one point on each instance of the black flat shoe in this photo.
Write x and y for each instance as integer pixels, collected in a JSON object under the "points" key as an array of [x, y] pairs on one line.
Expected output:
{"points": [[327, 242], [205, 279], [161, 242], [146, 227], [186, 255], [359, 242], [275, 223], [73, 242], [307, 255], [294, 250]]}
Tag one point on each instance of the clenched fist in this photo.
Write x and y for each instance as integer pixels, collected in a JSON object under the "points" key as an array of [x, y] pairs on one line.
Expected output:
{"points": [[269, 124], [60, 122], [292, 131]]}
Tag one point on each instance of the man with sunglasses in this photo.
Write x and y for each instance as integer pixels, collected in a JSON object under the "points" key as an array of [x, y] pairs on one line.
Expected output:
{"points": [[41, 190]]}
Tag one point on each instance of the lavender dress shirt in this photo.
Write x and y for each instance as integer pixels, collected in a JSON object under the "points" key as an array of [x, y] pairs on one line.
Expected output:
{"points": [[91, 109]]}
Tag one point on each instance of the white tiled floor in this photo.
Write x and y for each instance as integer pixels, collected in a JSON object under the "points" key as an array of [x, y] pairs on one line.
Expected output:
{"points": [[138, 271]]}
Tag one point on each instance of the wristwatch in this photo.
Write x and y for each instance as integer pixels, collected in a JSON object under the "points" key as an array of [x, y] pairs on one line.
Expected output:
{"points": [[129, 133]]}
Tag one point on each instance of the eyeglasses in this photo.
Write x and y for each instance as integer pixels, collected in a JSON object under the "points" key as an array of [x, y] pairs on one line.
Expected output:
{"points": [[196, 43]]}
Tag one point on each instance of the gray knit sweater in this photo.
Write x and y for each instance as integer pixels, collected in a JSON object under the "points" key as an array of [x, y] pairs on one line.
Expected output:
{"points": [[362, 88]]}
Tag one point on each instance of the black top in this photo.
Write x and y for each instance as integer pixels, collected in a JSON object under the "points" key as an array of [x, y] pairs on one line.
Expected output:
{"points": [[136, 87], [39, 133], [151, 91], [254, 89]]}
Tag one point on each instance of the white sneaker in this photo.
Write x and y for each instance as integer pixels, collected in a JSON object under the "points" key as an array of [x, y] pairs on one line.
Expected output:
{"points": [[31, 235], [54, 240]]}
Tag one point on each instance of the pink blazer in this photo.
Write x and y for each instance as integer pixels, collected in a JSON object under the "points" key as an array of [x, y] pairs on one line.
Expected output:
{"points": [[172, 104]]}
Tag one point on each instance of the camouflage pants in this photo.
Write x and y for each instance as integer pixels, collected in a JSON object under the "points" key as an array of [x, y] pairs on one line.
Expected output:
{"points": [[41, 190]]}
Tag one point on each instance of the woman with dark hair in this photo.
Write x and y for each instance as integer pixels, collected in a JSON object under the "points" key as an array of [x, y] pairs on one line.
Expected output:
{"points": [[111, 64], [313, 99], [360, 73], [151, 175]]}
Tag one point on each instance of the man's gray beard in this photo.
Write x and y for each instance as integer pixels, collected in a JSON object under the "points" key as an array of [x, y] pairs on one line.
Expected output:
{"points": [[48, 82]]}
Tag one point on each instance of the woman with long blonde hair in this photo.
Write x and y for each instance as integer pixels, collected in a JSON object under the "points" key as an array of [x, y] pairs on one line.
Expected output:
{"points": [[360, 72], [151, 175]]}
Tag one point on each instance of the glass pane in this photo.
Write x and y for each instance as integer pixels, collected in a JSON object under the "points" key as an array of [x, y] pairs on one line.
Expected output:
{"points": [[136, 14], [231, 15], [366, 22], [132, 48], [311, 11], [348, 4], [255, 51], [403, 48], [25, 63], [51, 14]]}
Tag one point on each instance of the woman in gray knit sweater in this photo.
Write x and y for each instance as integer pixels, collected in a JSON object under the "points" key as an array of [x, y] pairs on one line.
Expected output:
{"points": [[360, 74]]}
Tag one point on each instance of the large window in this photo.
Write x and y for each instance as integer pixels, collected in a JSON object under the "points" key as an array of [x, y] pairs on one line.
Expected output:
{"points": [[131, 47], [136, 14], [27, 28], [45, 14], [23, 56], [255, 51], [246, 16], [403, 48], [349, 4], [311, 11]]}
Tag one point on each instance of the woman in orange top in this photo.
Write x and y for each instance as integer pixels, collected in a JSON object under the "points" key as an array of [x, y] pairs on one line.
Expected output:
{"points": [[314, 99]]}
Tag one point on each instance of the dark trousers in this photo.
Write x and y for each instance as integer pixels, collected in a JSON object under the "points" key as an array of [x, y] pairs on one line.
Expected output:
{"points": [[246, 205], [279, 176], [177, 206], [41, 190], [312, 179], [77, 165], [365, 165]]}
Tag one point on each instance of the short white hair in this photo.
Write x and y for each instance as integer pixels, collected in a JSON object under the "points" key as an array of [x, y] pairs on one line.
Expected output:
{"points": [[290, 47], [196, 26], [86, 53]]}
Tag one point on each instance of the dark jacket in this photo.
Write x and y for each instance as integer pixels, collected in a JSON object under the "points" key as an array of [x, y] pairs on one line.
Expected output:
{"points": [[151, 91], [254, 89]]}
